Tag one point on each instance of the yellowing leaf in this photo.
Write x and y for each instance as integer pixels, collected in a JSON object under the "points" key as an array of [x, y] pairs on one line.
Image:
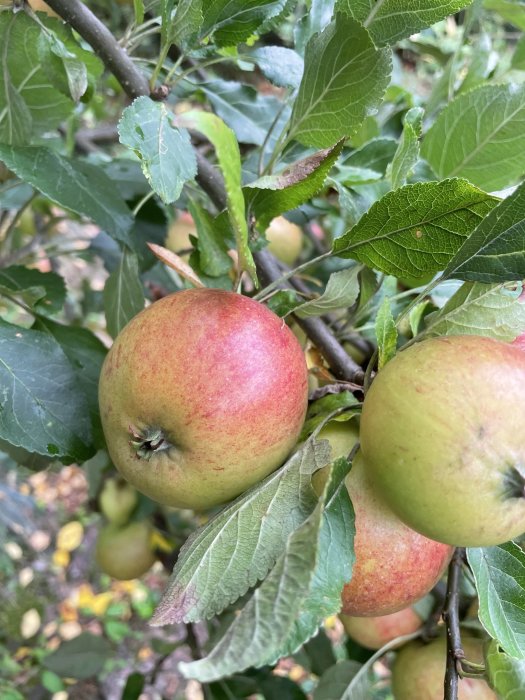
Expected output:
{"points": [[158, 541], [61, 558], [101, 602], [70, 536]]}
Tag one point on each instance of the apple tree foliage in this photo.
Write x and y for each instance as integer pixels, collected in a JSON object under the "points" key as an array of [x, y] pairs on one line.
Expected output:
{"points": [[398, 126]]}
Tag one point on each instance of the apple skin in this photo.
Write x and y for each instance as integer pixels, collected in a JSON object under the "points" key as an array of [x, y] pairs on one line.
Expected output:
{"points": [[202, 395], [117, 501], [125, 552], [375, 632], [395, 566], [285, 240], [442, 434], [418, 672]]}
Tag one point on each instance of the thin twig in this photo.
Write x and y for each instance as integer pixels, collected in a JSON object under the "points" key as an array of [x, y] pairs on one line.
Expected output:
{"points": [[451, 618]]}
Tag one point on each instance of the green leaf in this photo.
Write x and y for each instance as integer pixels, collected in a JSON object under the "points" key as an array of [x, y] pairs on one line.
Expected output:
{"points": [[231, 22], [82, 187], [123, 293], [334, 563], [335, 680], [43, 291], [66, 72], [228, 155], [248, 113], [41, 408], [272, 195], [499, 573], [134, 686], [506, 675], [81, 657], [166, 154], [386, 333], [29, 103], [388, 22], [416, 228], [480, 136], [212, 570], [86, 354], [344, 80], [341, 292], [250, 641], [518, 57], [283, 67], [186, 24], [214, 259], [283, 302], [495, 252], [407, 153], [481, 63], [511, 10], [374, 155], [480, 309]]}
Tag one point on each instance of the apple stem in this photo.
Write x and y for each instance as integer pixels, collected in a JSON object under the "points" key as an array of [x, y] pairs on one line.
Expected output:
{"points": [[451, 618]]}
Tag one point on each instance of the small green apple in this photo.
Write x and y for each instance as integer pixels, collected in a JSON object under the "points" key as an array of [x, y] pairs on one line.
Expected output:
{"points": [[202, 395], [375, 632], [117, 501], [442, 432], [285, 240], [125, 552], [418, 672]]}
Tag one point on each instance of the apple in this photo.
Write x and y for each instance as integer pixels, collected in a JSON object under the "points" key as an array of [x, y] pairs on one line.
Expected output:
{"points": [[202, 395], [285, 240], [179, 231], [375, 632], [394, 566], [442, 435], [125, 552], [418, 672], [117, 501]]}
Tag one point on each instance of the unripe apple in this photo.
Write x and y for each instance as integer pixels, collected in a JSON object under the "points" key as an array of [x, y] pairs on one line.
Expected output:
{"points": [[285, 240], [125, 552], [179, 231], [418, 672], [442, 435], [375, 632], [395, 566], [202, 395], [117, 501]]}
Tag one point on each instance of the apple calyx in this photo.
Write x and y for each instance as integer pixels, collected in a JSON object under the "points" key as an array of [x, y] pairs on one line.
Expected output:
{"points": [[514, 483], [148, 441]]}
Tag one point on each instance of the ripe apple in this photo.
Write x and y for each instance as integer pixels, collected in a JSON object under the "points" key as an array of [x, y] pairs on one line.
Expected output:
{"points": [[125, 552], [442, 436], [202, 395], [375, 632], [285, 240], [179, 231], [117, 501], [394, 566], [418, 672]]}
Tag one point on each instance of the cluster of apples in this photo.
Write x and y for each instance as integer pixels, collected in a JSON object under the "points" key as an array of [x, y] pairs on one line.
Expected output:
{"points": [[204, 393]]}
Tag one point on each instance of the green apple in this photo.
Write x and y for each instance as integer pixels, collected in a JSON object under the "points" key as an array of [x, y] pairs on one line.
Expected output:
{"points": [[285, 240], [418, 672], [179, 231], [442, 435], [375, 632], [125, 552], [202, 395], [117, 501]]}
